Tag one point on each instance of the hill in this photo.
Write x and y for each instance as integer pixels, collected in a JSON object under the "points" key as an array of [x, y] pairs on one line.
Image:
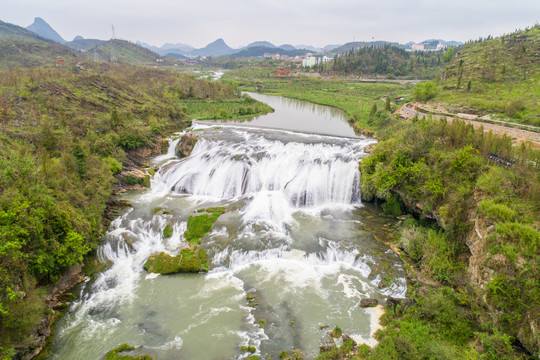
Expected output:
{"points": [[216, 48], [496, 75], [40, 27], [387, 61], [122, 51], [257, 51], [22, 48], [361, 44], [83, 44]]}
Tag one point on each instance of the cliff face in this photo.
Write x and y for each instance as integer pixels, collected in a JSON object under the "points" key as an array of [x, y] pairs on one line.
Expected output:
{"points": [[484, 269]]}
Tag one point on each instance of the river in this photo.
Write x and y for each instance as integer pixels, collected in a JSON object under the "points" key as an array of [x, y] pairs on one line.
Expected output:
{"points": [[290, 259]]}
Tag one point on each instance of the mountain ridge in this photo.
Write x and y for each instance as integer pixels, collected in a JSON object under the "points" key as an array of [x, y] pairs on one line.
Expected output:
{"points": [[43, 29]]}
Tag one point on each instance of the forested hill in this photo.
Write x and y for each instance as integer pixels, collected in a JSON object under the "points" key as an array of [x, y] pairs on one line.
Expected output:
{"points": [[513, 57], [64, 137], [22, 48], [496, 75], [387, 61]]}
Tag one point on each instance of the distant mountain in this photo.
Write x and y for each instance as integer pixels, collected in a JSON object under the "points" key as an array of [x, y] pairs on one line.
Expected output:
{"points": [[78, 37], [430, 43], [287, 47], [177, 56], [265, 44], [331, 47], [256, 51], [216, 48], [40, 27], [180, 46], [79, 43], [308, 47], [23, 48], [167, 48]]}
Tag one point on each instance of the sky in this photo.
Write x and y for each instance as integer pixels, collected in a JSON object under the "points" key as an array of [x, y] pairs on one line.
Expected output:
{"points": [[297, 22]]}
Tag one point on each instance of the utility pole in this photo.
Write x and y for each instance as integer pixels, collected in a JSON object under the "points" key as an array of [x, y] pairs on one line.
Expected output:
{"points": [[113, 56]]}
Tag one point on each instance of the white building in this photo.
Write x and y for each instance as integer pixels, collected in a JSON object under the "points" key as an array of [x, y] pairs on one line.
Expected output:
{"points": [[316, 60], [441, 46], [418, 47]]}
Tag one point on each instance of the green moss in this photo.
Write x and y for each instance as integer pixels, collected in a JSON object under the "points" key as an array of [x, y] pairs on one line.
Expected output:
{"points": [[168, 231], [116, 354], [188, 260], [249, 348], [337, 332], [156, 210], [200, 225]]}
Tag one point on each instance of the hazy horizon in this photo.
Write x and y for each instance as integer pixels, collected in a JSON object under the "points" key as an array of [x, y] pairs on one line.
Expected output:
{"points": [[316, 23]]}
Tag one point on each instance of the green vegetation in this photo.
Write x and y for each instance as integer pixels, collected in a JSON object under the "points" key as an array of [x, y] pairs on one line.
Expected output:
{"points": [[243, 107], [440, 172], [117, 354], [188, 260], [387, 60], [200, 225], [249, 348], [496, 76], [337, 332], [339, 352], [355, 98], [168, 231], [65, 136]]}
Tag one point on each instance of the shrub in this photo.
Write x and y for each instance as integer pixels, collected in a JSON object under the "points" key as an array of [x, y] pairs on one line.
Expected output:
{"points": [[425, 91], [497, 212]]}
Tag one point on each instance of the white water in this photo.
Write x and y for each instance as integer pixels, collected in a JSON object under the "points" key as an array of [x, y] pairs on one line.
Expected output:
{"points": [[292, 236]]}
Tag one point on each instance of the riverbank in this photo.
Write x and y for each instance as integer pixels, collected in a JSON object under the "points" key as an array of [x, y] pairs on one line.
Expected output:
{"points": [[69, 140], [428, 189]]}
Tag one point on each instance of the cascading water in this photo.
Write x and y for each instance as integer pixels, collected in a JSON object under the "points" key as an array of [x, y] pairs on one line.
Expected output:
{"points": [[291, 255]]}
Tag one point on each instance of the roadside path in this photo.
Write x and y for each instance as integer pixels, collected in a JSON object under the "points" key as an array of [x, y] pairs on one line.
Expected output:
{"points": [[519, 136]]}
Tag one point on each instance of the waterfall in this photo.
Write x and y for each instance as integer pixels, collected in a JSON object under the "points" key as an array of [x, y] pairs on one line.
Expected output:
{"points": [[307, 174], [291, 233]]}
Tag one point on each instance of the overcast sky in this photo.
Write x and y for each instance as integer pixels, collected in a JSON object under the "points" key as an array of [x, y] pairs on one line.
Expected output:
{"points": [[239, 22]]}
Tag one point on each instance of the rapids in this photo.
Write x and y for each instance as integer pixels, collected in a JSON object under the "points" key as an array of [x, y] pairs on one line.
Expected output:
{"points": [[294, 253]]}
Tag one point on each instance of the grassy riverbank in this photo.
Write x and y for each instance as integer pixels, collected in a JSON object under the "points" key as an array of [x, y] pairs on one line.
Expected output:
{"points": [[355, 98]]}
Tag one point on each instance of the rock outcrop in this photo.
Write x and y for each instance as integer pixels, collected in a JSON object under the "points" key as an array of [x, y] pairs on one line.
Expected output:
{"points": [[186, 144]]}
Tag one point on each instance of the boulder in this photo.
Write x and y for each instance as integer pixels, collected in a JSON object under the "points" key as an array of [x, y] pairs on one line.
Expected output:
{"points": [[185, 145], [188, 261], [368, 303]]}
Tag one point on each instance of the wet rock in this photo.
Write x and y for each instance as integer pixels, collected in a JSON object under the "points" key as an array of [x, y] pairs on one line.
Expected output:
{"points": [[394, 302], [326, 348], [347, 338], [185, 145], [368, 303]]}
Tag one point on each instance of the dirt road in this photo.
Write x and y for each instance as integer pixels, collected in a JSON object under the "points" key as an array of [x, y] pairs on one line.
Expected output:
{"points": [[519, 136]]}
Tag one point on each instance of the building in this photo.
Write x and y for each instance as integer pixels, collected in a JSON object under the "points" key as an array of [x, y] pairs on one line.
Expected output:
{"points": [[59, 61], [441, 47], [418, 47], [318, 59], [272, 56]]}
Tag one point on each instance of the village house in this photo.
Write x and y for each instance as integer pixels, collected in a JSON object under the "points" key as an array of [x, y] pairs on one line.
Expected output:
{"points": [[317, 59]]}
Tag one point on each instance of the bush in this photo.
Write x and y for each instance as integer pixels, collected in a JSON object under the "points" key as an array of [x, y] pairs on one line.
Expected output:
{"points": [[425, 91]]}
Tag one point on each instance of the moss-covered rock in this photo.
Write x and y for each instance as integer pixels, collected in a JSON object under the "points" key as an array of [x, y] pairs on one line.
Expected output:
{"points": [[117, 354], [200, 225], [168, 231], [188, 260]]}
